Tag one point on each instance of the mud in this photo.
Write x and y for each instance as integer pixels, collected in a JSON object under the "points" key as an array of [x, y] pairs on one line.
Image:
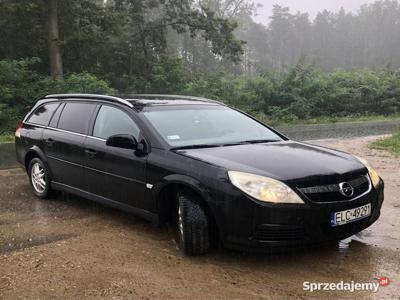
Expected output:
{"points": [[70, 248]]}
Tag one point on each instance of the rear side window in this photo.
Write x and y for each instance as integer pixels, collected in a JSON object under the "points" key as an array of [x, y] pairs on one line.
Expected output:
{"points": [[75, 117], [111, 121], [42, 114]]}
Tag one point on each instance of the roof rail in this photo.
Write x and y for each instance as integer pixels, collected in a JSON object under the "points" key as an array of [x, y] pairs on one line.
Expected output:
{"points": [[92, 96], [169, 97]]}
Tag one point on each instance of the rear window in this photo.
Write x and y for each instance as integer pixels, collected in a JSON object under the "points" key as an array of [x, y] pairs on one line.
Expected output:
{"points": [[75, 117], [42, 114]]}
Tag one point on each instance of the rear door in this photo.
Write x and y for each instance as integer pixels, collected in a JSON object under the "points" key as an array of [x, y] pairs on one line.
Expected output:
{"points": [[115, 173], [64, 142], [32, 131]]}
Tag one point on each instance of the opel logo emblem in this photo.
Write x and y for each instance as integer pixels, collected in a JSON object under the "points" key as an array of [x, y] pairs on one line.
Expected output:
{"points": [[346, 189]]}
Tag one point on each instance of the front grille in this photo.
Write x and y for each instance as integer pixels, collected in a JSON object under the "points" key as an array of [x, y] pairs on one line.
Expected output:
{"points": [[331, 192], [278, 233]]}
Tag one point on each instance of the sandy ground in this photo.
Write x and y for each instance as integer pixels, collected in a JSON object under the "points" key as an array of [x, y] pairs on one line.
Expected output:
{"points": [[70, 248]]}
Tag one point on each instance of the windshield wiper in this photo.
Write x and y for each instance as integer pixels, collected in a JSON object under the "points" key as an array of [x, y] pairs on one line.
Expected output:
{"points": [[222, 145], [259, 141], [197, 146]]}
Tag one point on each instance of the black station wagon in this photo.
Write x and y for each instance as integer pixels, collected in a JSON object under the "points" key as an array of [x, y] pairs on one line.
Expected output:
{"points": [[221, 176]]}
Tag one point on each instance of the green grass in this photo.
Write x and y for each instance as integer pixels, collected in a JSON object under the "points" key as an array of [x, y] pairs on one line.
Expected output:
{"points": [[391, 144], [8, 138]]}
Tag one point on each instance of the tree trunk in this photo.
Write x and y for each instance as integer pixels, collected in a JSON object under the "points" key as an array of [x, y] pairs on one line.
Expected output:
{"points": [[56, 67], [145, 53]]}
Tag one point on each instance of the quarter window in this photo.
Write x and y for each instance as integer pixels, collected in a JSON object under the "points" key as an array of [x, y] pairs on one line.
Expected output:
{"points": [[42, 115], [56, 116], [75, 117], [111, 121]]}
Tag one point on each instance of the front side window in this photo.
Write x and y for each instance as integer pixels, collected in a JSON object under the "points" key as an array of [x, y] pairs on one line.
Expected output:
{"points": [[75, 117], [200, 125], [111, 121], [42, 115]]}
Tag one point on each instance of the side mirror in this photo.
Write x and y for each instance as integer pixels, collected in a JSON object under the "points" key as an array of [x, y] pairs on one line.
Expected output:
{"points": [[125, 141]]}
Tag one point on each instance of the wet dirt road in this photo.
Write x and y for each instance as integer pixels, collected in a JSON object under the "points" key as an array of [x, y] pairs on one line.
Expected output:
{"points": [[70, 248]]}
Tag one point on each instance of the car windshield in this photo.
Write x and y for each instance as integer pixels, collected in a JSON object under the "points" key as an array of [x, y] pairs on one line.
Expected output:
{"points": [[207, 125]]}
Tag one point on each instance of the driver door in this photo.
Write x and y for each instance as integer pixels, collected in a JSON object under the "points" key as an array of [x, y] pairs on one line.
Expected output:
{"points": [[116, 174]]}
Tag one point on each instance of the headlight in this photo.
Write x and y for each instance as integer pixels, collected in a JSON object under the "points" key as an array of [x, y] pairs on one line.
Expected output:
{"points": [[372, 173], [263, 188]]}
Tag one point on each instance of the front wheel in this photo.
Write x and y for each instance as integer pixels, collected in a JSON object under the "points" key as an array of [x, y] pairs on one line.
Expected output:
{"points": [[193, 226], [39, 178]]}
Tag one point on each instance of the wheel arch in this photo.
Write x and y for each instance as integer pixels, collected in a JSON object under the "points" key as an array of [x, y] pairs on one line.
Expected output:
{"points": [[33, 152], [165, 193]]}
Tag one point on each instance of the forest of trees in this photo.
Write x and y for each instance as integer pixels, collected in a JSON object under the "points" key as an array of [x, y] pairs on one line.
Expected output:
{"points": [[123, 40], [186, 46], [367, 39]]}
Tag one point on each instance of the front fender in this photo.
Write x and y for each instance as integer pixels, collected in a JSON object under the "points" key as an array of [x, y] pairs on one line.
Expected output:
{"points": [[189, 182], [185, 180]]}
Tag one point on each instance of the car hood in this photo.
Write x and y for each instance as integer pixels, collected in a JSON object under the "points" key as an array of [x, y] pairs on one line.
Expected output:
{"points": [[286, 161]]}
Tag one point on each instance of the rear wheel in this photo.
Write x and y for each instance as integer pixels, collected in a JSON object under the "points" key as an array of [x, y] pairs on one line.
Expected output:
{"points": [[193, 226], [39, 178]]}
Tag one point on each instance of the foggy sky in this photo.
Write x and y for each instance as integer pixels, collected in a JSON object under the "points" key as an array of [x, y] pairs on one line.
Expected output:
{"points": [[310, 6]]}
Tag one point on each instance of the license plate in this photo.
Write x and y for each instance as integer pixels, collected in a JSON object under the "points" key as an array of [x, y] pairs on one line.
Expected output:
{"points": [[350, 215]]}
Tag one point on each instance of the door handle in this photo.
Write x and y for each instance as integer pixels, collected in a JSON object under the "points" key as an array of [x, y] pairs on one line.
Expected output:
{"points": [[90, 152], [50, 141]]}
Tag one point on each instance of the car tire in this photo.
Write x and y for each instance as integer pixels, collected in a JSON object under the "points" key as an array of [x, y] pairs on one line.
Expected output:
{"points": [[39, 178], [193, 226]]}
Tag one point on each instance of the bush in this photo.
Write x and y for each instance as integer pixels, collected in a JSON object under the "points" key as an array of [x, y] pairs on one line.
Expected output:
{"points": [[18, 84], [302, 94], [165, 77], [9, 118], [277, 97], [20, 87]]}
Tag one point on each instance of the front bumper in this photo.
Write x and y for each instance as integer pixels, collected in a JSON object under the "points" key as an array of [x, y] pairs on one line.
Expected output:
{"points": [[251, 226]]}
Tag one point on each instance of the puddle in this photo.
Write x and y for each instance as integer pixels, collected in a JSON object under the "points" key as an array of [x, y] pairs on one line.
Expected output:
{"points": [[371, 239]]}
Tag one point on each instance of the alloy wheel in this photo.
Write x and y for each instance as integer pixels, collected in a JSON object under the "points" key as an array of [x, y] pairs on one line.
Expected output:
{"points": [[38, 177]]}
